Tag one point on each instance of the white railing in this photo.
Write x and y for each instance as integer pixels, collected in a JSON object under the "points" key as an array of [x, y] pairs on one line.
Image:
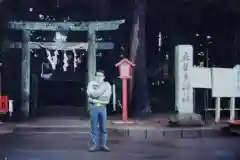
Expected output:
{"points": [[218, 109]]}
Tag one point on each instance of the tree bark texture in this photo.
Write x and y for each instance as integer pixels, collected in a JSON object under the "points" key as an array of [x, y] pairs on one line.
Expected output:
{"points": [[139, 95]]}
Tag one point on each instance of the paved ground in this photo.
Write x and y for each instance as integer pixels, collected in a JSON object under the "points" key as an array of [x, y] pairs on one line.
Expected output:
{"points": [[5, 128], [68, 139], [74, 147]]}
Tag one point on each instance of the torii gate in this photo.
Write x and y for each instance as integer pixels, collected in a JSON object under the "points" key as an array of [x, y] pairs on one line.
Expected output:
{"points": [[26, 45]]}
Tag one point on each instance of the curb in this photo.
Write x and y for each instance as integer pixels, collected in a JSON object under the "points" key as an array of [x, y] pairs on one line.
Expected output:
{"points": [[134, 133], [5, 130], [175, 133]]}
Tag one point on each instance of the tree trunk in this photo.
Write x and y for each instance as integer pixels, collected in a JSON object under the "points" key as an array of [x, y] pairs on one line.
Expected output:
{"points": [[138, 86]]}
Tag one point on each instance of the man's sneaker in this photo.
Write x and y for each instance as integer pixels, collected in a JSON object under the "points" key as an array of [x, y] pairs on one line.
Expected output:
{"points": [[93, 148], [105, 149]]}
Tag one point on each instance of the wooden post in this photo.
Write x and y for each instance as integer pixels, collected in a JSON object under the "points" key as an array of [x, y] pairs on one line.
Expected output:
{"points": [[25, 74], [91, 52], [91, 58], [34, 95]]}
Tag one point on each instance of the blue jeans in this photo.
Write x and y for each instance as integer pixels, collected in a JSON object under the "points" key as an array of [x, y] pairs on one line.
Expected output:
{"points": [[98, 117]]}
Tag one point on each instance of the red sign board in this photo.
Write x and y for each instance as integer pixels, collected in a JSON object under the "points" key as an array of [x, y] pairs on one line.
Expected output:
{"points": [[125, 68], [3, 104]]}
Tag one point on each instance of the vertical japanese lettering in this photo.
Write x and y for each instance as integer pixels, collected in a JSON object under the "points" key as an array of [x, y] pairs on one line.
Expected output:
{"points": [[186, 81]]}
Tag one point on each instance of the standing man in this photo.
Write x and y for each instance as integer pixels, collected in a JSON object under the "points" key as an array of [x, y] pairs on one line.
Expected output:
{"points": [[99, 94]]}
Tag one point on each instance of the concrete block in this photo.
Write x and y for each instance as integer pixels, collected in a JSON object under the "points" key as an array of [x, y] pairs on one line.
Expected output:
{"points": [[138, 134], [173, 133], [154, 134], [186, 120], [191, 133]]}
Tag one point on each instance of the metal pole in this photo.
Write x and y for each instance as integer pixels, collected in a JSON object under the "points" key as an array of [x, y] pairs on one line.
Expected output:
{"points": [[206, 97]]}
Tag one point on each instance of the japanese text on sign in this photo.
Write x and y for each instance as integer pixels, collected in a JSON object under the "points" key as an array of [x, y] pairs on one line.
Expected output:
{"points": [[186, 80]]}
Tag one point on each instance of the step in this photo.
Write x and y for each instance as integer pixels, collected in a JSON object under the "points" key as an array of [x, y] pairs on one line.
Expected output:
{"points": [[58, 129], [135, 133], [50, 129]]}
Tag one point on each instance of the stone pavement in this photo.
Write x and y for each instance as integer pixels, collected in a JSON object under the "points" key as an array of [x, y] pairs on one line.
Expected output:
{"points": [[74, 147], [5, 128], [146, 129]]}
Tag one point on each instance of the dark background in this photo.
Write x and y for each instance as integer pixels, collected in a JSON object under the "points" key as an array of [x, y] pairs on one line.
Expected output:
{"points": [[212, 27]]}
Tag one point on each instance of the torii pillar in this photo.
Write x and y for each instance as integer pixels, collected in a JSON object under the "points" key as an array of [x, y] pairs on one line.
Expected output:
{"points": [[91, 61], [25, 73]]}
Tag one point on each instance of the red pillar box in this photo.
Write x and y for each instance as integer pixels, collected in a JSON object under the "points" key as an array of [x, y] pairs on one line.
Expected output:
{"points": [[125, 69], [3, 104]]}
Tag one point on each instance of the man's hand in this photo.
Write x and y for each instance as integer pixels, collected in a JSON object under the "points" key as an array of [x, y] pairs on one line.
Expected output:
{"points": [[99, 90]]}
